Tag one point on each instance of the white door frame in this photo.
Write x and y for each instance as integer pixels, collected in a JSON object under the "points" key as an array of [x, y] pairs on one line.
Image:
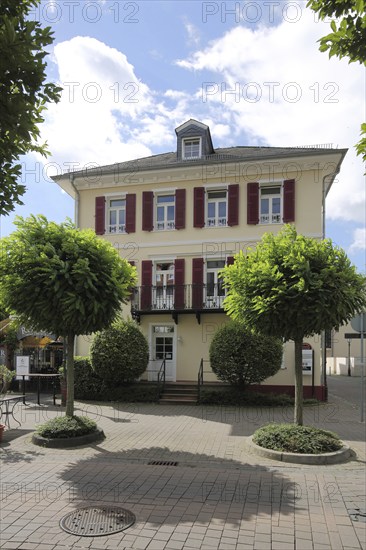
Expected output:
{"points": [[171, 377]]}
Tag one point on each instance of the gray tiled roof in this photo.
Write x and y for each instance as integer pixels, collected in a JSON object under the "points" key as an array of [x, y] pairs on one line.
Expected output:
{"points": [[225, 154]]}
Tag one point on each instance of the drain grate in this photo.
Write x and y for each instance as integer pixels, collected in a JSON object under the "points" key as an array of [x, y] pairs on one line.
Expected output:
{"points": [[162, 463], [96, 521], [357, 515]]}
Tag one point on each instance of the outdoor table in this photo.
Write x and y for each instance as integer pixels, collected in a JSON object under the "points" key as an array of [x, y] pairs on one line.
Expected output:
{"points": [[39, 376], [8, 403]]}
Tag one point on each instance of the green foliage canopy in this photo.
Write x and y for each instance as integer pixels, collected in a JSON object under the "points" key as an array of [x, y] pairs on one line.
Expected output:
{"points": [[348, 26], [292, 286], [60, 279], [120, 353], [241, 358], [24, 94]]}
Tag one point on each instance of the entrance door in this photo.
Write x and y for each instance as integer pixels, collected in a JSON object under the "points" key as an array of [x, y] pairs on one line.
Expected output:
{"points": [[163, 347]]}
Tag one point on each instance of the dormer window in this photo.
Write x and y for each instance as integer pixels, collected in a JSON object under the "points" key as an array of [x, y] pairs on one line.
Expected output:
{"points": [[192, 148], [193, 141]]}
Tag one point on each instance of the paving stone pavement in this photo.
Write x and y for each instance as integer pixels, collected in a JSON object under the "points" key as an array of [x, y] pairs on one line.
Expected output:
{"points": [[219, 495]]}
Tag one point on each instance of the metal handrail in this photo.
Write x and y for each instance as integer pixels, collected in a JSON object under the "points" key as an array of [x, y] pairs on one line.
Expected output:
{"points": [[200, 380], [161, 378]]}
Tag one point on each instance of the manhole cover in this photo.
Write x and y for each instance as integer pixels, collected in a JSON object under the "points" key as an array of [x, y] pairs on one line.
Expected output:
{"points": [[96, 521]]}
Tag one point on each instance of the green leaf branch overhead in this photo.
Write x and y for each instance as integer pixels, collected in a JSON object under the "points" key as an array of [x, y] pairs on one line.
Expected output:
{"points": [[347, 39], [24, 94]]}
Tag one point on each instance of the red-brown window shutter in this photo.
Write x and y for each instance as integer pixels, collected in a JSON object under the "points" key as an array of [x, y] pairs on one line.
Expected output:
{"points": [[146, 284], [147, 211], [131, 213], [180, 209], [197, 283], [179, 283], [199, 207], [253, 203], [100, 215], [230, 260], [233, 204], [289, 201]]}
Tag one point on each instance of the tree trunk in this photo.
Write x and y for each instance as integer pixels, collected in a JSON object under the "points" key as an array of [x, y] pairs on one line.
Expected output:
{"points": [[298, 383], [70, 375]]}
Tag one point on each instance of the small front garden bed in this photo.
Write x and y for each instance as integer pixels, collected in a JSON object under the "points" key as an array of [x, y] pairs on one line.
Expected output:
{"points": [[292, 438], [66, 426], [67, 431]]}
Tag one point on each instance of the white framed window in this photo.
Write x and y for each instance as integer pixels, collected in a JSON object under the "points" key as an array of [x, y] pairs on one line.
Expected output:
{"points": [[116, 215], [192, 148], [270, 204], [216, 209], [215, 291], [165, 212]]}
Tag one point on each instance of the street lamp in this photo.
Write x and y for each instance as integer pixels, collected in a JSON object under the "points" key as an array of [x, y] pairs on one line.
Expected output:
{"points": [[349, 356]]}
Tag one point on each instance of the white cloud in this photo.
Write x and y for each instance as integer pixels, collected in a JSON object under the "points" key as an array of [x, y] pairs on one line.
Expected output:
{"points": [[359, 240], [107, 114], [194, 35], [274, 86], [101, 97]]}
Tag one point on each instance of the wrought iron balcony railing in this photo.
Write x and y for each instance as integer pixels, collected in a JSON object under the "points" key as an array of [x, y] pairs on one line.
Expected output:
{"points": [[178, 298]]}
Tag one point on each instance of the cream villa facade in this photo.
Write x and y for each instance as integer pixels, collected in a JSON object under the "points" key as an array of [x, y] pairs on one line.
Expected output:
{"points": [[180, 217]]}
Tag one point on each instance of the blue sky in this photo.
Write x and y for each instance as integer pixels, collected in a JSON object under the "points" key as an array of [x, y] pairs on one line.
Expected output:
{"points": [[132, 71]]}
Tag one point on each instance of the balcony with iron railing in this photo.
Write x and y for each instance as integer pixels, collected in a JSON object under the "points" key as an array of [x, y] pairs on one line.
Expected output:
{"points": [[177, 299]]}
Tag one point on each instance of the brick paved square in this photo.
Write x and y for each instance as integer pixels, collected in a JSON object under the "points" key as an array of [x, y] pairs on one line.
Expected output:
{"points": [[202, 503]]}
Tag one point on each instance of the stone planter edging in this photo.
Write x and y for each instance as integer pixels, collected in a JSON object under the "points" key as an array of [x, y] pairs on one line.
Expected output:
{"points": [[65, 443], [335, 457]]}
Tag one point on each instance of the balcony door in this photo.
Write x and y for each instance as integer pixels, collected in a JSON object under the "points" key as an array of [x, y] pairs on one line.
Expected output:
{"points": [[163, 346], [215, 292], [163, 290]]}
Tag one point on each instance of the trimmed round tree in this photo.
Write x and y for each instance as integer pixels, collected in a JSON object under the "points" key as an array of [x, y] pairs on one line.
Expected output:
{"points": [[240, 357], [59, 279], [120, 353], [292, 287]]}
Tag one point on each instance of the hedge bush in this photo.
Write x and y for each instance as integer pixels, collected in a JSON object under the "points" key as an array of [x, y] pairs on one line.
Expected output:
{"points": [[297, 439], [90, 386], [132, 393], [241, 358], [120, 353], [235, 397], [87, 384]]}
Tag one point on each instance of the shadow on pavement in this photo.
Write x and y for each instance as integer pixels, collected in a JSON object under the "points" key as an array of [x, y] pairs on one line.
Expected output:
{"points": [[199, 488]]}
